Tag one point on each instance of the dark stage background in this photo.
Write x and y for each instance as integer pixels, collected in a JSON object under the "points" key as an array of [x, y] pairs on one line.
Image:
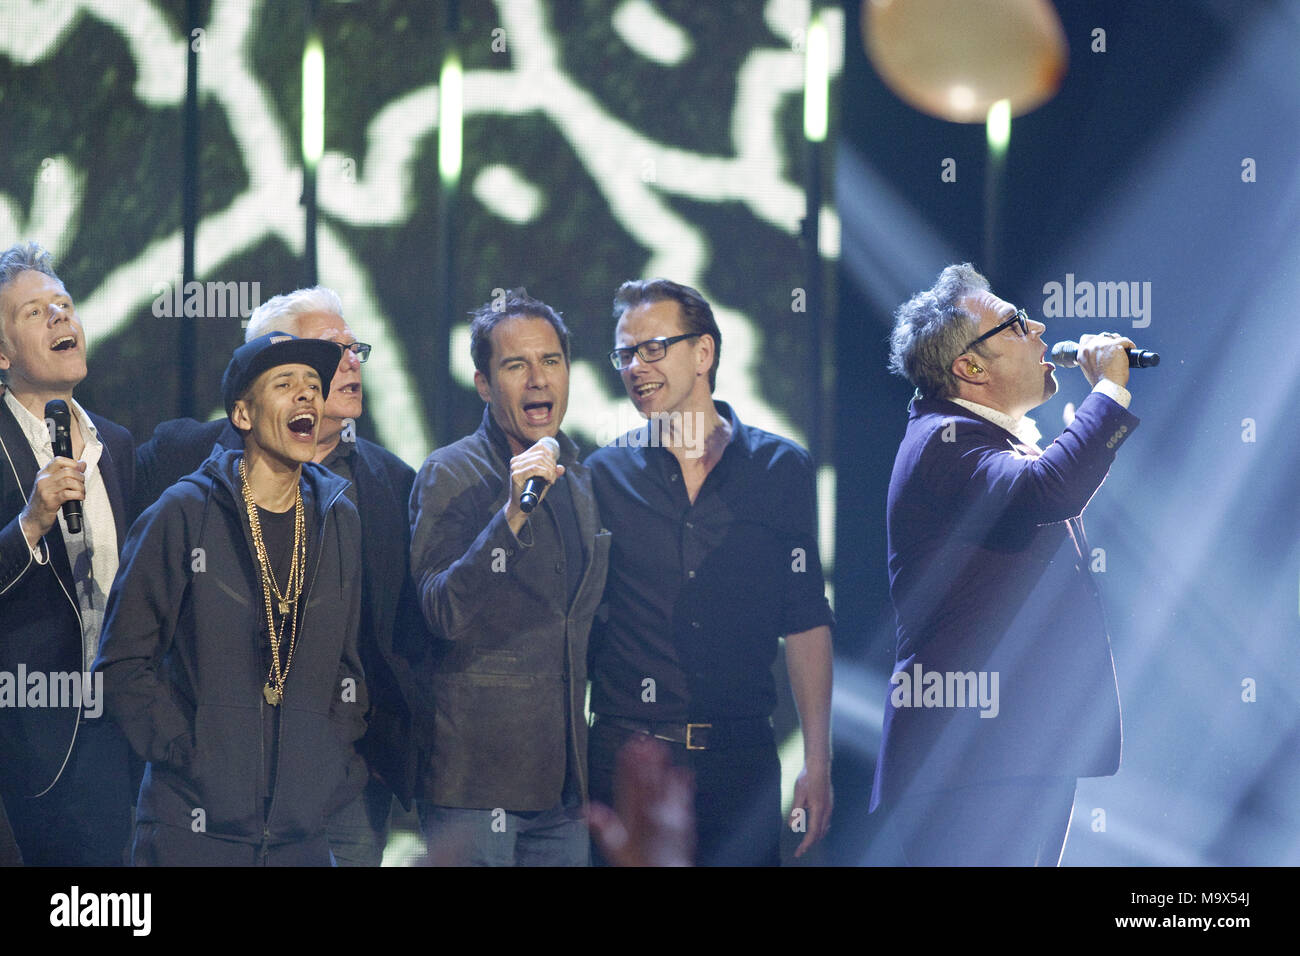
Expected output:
{"points": [[611, 139]]}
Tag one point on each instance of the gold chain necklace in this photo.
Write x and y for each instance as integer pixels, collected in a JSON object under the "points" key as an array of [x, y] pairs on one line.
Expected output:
{"points": [[287, 602]]}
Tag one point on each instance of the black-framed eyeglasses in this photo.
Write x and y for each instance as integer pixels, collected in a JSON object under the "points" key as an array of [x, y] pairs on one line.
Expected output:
{"points": [[651, 350], [1021, 318], [360, 349]]}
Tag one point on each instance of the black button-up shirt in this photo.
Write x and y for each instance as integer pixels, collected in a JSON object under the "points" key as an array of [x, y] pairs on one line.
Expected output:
{"points": [[698, 594]]}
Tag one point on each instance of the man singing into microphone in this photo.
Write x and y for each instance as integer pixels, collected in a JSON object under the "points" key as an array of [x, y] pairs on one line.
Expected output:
{"points": [[66, 782], [1003, 691], [510, 597]]}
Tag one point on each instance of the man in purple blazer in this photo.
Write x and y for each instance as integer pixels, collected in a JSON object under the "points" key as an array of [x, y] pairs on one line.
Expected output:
{"points": [[1003, 691]]}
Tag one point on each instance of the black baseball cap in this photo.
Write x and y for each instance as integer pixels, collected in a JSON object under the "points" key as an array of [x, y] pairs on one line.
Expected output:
{"points": [[274, 349]]}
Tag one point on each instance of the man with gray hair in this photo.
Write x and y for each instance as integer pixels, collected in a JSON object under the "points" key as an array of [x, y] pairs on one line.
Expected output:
{"points": [[392, 629], [1003, 691], [66, 784]]}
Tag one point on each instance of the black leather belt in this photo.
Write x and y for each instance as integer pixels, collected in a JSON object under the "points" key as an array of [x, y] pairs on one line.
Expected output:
{"points": [[718, 735]]}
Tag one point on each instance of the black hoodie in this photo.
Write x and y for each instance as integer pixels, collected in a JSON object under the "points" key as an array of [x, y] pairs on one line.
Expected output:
{"points": [[183, 662]]}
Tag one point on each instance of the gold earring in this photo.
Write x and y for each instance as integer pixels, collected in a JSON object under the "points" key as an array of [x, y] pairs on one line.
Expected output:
{"points": [[975, 368]]}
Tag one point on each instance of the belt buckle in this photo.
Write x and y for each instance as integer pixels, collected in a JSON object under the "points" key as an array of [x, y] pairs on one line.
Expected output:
{"points": [[689, 729]]}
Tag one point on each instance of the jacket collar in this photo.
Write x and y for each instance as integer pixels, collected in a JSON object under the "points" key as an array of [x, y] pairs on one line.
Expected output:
{"points": [[497, 438], [1023, 428], [322, 486], [921, 407]]}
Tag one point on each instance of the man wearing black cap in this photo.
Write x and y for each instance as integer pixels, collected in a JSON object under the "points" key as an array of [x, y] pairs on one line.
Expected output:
{"points": [[230, 643], [393, 638]]}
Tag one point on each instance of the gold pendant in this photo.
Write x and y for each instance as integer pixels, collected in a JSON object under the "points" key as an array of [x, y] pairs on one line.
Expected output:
{"points": [[271, 694], [284, 607]]}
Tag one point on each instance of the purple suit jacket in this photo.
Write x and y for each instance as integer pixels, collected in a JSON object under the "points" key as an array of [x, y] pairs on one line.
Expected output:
{"points": [[989, 575]]}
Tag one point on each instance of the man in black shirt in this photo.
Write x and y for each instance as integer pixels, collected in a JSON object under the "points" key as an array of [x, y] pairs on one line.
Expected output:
{"points": [[714, 559]]}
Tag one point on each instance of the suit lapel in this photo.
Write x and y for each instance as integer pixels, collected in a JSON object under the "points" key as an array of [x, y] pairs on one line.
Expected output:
{"points": [[584, 505], [20, 453], [24, 462]]}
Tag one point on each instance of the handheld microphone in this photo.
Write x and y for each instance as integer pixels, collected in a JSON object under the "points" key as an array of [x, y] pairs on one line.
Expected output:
{"points": [[535, 485], [59, 420], [1066, 355]]}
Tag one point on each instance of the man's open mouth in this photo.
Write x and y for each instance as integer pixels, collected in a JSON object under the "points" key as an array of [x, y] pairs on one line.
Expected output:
{"points": [[303, 423], [647, 388], [63, 343], [538, 413]]}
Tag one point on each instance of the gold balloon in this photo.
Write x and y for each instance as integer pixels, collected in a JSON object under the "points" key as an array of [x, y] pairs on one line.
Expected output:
{"points": [[955, 58]]}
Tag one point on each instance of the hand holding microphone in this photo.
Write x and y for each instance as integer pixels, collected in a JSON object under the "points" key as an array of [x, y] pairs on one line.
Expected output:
{"points": [[531, 472], [60, 484], [1107, 355], [535, 487]]}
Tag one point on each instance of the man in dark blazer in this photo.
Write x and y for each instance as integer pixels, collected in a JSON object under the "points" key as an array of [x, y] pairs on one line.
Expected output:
{"points": [[67, 774], [510, 596], [393, 636], [1004, 690]]}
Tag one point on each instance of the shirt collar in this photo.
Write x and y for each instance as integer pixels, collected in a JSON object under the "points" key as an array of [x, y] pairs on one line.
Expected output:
{"points": [[739, 439], [36, 431], [342, 449], [1023, 428]]}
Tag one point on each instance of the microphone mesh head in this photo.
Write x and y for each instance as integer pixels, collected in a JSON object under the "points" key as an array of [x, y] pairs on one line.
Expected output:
{"points": [[1064, 354]]}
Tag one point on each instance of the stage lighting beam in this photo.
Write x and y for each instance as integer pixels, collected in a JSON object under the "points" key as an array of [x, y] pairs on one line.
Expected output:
{"points": [[816, 84], [313, 101], [450, 117]]}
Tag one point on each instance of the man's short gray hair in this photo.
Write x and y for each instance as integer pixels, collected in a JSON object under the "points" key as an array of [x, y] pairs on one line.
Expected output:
{"points": [[932, 328], [280, 313], [14, 261]]}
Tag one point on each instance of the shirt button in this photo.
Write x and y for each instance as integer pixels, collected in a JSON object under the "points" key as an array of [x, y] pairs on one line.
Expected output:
{"points": [[695, 624], [690, 574], [690, 525], [673, 478]]}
